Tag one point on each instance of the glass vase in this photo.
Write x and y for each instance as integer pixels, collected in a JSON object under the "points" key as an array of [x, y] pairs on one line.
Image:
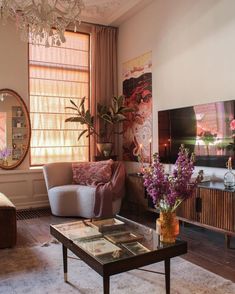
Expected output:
{"points": [[229, 177], [167, 226]]}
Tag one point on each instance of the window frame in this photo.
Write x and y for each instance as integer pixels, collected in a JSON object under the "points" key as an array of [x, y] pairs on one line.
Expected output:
{"points": [[89, 92]]}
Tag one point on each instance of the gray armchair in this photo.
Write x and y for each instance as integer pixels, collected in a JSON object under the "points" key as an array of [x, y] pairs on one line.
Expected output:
{"points": [[68, 199]]}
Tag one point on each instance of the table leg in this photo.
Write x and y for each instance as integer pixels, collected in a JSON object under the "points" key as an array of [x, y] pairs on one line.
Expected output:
{"points": [[227, 240], [106, 285], [167, 275], [65, 263]]}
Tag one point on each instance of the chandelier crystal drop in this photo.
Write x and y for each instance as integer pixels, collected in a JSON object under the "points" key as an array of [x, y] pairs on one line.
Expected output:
{"points": [[42, 21]]}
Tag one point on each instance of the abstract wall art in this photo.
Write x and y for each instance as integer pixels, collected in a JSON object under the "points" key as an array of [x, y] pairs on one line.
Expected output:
{"points": [[137, 90]]}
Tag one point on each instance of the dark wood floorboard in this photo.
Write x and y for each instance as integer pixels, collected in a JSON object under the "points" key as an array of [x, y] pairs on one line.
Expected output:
{"points": [[205, 248]]}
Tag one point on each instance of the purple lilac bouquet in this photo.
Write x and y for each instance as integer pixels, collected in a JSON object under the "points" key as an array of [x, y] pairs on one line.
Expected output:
{"points": [[169, 191], [4, 153]]}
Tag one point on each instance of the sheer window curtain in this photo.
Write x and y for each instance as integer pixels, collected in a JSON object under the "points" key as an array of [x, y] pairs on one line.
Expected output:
{"points": [[58, 74]]}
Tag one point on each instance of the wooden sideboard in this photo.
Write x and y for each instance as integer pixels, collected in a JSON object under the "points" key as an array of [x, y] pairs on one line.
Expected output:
{"points": [[213, 207]]}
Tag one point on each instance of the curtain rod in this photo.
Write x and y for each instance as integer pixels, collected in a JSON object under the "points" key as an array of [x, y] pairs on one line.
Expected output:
{"points": [[96, 24]]}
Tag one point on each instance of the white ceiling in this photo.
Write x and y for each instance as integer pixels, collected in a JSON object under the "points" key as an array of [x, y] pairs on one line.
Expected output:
{"points": [[111, 12]]}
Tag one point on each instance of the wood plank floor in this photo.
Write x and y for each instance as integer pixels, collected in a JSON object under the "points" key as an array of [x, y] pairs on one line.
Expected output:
{"points": [[205, 248]]}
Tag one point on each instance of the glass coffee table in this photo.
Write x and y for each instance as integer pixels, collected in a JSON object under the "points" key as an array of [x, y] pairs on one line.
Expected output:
{"points": [[113, 246]]}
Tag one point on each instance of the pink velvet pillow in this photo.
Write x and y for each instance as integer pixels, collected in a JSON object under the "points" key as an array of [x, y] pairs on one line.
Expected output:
{"points": [[92, 173]]}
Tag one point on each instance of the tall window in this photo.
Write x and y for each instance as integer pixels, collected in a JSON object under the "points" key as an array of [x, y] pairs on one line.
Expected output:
{"points": [[58, 74]]}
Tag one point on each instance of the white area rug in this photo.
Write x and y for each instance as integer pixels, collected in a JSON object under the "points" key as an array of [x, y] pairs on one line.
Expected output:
{"points": [[39, 270]]}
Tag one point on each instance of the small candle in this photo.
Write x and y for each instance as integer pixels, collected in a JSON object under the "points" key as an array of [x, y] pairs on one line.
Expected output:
{"points": [[140, 150], [150, 151], [165, 151], [141, 158]]}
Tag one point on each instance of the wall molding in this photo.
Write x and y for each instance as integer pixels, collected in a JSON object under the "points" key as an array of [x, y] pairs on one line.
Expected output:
{"points": [[25, 188]]}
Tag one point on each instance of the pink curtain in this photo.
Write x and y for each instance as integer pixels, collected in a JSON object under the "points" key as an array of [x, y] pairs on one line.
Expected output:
{"points": [[104, 67]]}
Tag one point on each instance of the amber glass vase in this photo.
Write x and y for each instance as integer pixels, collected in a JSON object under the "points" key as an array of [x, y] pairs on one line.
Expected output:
{"points": [[167, 226]]}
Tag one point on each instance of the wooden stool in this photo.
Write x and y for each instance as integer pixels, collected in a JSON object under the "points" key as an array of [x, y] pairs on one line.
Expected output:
{"points": [[7, 222]]}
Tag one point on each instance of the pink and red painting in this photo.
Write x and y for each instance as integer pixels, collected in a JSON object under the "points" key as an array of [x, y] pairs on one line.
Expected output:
{"points": [[137, 90]]}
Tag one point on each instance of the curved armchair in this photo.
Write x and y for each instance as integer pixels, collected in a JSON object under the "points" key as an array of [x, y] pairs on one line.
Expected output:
{"points": [[68, 199]]}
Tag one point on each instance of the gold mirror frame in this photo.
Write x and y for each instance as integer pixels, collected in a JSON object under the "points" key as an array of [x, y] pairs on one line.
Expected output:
{"points": [[22, 106]]}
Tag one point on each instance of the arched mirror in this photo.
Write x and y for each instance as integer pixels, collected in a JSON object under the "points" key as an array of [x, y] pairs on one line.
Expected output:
{"points": [[14, 129]]}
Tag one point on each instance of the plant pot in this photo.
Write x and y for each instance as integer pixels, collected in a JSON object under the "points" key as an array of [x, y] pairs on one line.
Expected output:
{"points": [[105, 149], [167, 226]]}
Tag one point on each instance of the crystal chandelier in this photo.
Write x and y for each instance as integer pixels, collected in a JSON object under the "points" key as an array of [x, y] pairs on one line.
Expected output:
{"points": [[42, 21]]}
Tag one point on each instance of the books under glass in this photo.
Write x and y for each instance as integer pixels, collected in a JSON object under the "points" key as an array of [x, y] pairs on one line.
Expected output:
{"points": [[98, 246], [122, 237], [79, 231], [136, 248], [104, 225]]}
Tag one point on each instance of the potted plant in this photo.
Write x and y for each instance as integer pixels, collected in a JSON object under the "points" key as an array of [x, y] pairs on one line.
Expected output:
{"points": [[110, 118]]}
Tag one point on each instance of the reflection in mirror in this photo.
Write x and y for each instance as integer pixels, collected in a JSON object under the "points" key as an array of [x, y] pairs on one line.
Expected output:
{"points": [[14, 129]]}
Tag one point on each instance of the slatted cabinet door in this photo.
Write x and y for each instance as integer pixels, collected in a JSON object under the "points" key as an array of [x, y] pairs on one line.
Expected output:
{"points": [[187, 209], [218, 209]]}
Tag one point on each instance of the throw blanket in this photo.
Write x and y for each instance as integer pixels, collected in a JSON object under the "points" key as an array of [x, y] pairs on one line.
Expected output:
{"points": [[106, 193]]}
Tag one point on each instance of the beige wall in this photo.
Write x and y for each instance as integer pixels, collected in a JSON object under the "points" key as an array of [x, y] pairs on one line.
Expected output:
{"points": [[14, 66], [13, 61], [25, 187], [192, 44]]}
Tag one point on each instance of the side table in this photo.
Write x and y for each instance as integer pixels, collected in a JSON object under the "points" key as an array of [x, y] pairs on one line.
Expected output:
{"points": [[136, 197], [101, 157]]}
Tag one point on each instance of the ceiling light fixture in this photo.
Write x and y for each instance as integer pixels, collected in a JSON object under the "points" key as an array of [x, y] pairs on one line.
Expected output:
{"points": [[42, 21]]}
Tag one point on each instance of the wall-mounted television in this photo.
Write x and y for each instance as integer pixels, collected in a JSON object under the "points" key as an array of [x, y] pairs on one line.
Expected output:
{"points": [[208, 130]]}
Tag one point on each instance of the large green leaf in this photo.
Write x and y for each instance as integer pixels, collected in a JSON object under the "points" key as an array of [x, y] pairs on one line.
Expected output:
{"points": [[126, 109], [82, 133], [73, 103], [88, 118], [120, 101], [82, 101], [120, 117], [107, 118], [74, 119], [73, 108], [111, 110]]}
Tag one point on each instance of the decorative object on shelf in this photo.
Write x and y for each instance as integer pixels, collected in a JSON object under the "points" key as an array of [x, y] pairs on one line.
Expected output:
{"points": [[4, 154], [42, 21], [18, 124], [19, 112], [229, 177], [109, 120], [169, 191]]}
